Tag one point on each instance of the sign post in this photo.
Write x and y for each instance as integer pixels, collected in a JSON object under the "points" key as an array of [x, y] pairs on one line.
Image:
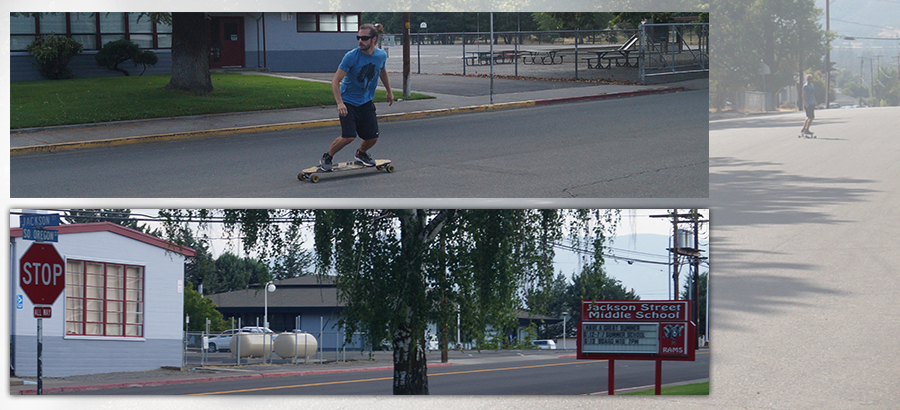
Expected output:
{"points": [[42, 278], [636, 330]]}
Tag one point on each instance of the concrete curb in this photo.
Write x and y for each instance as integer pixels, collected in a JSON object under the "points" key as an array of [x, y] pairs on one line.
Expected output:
{"points": [[150, 383], [325, 123]]}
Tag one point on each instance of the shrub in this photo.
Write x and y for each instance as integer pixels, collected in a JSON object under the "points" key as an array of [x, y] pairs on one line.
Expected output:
{"points": [[52, 54], [117, 52], [146, 58]]}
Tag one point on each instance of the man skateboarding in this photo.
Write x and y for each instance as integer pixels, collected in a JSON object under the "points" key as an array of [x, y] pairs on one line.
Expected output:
{"points": [[354, 88], [809, 103]]}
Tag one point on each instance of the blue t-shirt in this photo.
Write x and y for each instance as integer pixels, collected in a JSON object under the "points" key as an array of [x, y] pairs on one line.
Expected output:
{"points": [[362, 70], [809, 95]]}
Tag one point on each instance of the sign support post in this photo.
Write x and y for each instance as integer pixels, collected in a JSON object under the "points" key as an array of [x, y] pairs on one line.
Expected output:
{"points": [[40, 356], [658, 377], [612, 377]]}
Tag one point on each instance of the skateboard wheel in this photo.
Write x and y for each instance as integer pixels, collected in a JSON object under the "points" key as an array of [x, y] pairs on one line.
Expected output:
{"points": [[389, 168], [301, 176], [314, 178]]}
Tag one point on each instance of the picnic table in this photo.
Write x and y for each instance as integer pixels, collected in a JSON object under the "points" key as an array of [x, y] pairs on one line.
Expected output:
{"points": [[548, 57], [612, 54], [485, 57]]}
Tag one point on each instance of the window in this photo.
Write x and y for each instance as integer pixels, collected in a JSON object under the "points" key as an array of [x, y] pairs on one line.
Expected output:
{"points": [[21, 31], [83, 27], [104, 299], [328, 22], [92, 30]]}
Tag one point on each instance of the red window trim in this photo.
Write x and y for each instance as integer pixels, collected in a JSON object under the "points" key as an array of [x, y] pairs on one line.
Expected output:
{"points": [[105, 300]]}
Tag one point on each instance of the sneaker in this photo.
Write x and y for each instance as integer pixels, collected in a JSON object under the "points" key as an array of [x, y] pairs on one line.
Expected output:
{"points": [[365, 159], [325, 162]]}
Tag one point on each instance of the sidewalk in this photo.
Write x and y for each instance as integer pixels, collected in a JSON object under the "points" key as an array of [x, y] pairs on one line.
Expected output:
{"points": [[381, 361], [453, 94]]}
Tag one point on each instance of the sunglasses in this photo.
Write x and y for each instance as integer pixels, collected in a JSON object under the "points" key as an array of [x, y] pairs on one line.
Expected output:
{"points": [[364, 38]]}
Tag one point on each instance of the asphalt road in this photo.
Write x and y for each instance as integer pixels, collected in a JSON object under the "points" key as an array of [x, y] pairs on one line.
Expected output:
{"points": [[652, 146], [804, 235], [526, 375]]}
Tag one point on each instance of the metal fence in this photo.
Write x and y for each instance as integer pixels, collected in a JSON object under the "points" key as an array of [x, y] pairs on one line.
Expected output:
{"points": [[674, 48], [657, 50], [196, 351]]}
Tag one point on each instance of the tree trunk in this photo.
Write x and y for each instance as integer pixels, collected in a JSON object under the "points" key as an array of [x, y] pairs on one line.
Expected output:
{"points": [[190, 53], [410, 366]]}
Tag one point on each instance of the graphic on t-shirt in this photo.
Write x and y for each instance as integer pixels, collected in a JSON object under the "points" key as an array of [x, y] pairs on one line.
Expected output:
{"points": [[366, 74]]}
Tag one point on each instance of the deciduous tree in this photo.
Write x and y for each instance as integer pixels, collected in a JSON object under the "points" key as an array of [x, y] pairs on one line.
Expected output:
{"points": [[398, 270]]}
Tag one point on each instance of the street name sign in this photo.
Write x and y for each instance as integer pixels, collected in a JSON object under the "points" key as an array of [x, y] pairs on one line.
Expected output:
{"points": [[38, 220], [42, 235]]}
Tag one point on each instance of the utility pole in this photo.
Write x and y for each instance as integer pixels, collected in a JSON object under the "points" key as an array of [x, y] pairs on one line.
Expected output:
{"points": [[406, 61], [693, 217], [827, 52]]}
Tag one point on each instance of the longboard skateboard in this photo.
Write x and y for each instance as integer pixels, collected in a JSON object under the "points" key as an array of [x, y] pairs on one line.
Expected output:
{"points": [[804, 135], [311, 172]]}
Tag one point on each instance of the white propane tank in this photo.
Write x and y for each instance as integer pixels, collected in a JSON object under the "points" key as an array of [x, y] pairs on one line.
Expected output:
{"points": [[252, 344], [300, 345]]}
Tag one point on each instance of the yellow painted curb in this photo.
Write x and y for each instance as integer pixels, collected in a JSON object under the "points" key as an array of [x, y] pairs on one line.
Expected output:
{"points": [[256, 128]]}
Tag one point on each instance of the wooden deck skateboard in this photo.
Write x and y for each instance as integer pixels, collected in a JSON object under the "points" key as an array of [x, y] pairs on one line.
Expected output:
{"points": [[311, 172], [804, 135]]}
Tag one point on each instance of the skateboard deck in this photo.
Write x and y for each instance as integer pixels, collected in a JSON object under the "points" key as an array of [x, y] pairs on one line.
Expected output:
{"points": [[810, 135], [311, 172]]}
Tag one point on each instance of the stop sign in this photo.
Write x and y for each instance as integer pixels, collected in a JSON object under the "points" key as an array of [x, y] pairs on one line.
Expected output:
{"points": [[42, 273]]}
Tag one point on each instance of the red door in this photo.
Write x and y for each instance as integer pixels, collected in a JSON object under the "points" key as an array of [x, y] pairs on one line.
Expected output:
{"points": [[226, 42]]}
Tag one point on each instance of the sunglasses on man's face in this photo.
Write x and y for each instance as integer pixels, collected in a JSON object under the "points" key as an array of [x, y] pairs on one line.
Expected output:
{"points": [[364, 38]]}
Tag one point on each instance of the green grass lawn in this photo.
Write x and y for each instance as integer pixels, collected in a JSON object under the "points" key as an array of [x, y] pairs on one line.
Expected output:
{"points": [[93, 100], [685, 390]]}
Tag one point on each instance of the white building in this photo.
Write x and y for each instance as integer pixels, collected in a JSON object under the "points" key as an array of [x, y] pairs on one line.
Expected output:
{"points": [[122, 308]]}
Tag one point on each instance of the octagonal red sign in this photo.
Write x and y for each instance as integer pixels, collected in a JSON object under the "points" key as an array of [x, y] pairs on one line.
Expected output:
{"points": [[42, 273]]}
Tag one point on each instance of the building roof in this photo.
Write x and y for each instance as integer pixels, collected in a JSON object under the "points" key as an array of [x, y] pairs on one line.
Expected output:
{"points": [[525, 317], [314, 291], [302, 292], [116, 229]]}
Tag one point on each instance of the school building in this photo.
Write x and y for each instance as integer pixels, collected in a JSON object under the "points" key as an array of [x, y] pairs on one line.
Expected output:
{"points": [[293, 42], [122, 308]]}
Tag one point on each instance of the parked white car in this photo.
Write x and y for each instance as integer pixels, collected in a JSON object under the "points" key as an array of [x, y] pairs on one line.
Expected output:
{"points": [[544, 344], [222, 342]]}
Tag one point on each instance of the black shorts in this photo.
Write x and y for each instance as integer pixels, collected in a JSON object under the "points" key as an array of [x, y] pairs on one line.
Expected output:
{"points": [[360, 121], [811, 112]]}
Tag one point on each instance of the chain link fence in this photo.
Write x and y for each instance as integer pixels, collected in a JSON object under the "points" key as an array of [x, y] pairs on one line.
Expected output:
{"points": [[643, 55], [323, 347]]}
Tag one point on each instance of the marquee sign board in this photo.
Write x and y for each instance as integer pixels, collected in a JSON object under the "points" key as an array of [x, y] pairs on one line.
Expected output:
{"points": [[637, 330]]}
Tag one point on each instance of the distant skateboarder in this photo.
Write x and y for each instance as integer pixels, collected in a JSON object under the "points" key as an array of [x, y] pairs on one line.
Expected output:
{"points": [[354, 88], [809, 103]]}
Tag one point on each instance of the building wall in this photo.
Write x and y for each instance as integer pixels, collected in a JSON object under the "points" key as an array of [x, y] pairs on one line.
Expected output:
{"points": [[288, 50], [84, 66], [68, 355]]}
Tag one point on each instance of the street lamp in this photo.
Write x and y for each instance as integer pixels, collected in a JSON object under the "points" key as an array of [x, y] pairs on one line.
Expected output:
{"points": [[565, 315], [270, 287]]}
